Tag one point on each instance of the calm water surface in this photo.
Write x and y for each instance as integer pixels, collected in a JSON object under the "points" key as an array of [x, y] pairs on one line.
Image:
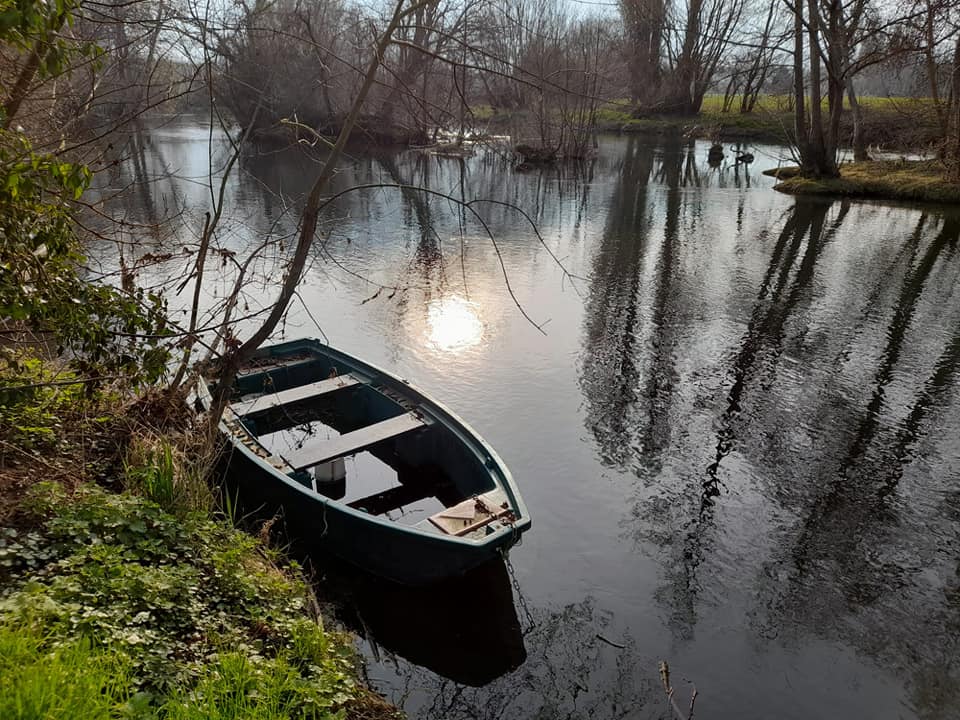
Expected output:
{"points": [[738, 438]]}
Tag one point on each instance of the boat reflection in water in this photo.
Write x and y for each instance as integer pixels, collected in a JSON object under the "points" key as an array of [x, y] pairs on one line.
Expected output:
{"points": [[465, 629]]}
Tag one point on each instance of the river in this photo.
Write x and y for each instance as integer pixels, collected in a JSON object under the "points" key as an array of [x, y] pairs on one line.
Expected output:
{"points": [[737, 432]]}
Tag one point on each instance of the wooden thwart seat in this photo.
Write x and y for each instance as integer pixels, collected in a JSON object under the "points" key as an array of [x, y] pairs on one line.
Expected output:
{"points": [[318, 451], [294, 394]]}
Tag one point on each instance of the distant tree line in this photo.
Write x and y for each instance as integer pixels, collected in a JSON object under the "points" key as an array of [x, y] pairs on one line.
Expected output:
{"points": [[298, 65]]}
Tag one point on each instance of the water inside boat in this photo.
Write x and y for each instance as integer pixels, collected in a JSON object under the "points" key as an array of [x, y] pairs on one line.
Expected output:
{"points": [[355, 477], [352, 436]]}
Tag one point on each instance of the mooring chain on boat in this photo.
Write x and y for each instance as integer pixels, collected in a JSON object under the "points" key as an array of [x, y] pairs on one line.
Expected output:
{"points": [[323, 533], [521, 599]]}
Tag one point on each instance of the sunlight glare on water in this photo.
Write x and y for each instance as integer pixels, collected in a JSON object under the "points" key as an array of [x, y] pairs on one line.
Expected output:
{"points": [[454, 323], [736, 439]]}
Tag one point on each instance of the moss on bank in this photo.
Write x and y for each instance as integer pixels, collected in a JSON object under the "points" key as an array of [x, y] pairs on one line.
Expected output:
{"points": [[906, 180]]}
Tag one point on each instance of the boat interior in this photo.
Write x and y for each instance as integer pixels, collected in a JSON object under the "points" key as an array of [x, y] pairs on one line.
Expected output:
{"points": [[354, 436]]}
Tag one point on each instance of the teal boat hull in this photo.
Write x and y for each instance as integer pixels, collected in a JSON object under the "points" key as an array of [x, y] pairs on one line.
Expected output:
{"points": [[316, 523]]}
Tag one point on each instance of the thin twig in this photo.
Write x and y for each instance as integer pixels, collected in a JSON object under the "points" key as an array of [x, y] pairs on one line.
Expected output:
{"points": [[610, 642]]}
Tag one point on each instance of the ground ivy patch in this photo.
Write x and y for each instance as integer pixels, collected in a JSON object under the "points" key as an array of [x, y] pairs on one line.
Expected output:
{"points": [[194, 609]]}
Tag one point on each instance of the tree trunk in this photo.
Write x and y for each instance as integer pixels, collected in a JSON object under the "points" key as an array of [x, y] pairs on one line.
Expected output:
{"points": [[233, 360], [644, 20], [822, 159], [799, 95], [412, 64], [730, 91], [837, 55], [22, 86], [682, 98], [955, 142], [859, 146], [943, 112]]}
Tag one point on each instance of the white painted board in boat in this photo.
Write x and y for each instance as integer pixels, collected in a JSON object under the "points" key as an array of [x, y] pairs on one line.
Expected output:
{"points": [[318, 451], [294, 394]]}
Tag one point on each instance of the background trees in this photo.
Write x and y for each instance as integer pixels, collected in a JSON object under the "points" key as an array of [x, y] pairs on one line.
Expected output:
{"points": [[78, 78]]}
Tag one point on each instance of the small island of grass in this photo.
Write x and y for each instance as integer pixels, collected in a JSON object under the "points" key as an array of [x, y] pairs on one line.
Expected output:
{"points": [[906, 180]]}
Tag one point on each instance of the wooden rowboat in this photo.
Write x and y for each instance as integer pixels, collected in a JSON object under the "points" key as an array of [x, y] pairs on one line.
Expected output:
{"points": [[363, 465]]}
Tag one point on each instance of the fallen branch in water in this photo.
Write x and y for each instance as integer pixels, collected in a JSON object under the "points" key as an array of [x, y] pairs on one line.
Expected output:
{"points": [[668, 689], [610, 642]]}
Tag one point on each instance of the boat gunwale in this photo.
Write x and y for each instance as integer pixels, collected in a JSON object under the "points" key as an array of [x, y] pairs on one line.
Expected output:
{"points": [[464, 432]]}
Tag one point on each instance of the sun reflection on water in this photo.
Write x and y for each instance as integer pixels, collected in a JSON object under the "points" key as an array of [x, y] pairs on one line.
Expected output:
{"points": [[454, 323]]}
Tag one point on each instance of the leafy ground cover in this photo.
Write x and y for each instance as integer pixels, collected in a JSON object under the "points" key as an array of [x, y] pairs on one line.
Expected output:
{"points": [[165, 616], [124, 593]]}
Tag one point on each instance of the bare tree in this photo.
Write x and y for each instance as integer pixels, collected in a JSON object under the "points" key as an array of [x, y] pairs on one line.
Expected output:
{"points": [[645, 24], [842, 39], [697, 38]]}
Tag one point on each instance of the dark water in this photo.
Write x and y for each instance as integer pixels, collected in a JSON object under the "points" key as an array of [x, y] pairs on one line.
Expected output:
{"points": [[738, 438]]}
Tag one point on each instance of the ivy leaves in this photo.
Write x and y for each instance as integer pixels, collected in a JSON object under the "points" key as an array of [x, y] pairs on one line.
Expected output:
{"points": [[185, 602], [32, 26]]}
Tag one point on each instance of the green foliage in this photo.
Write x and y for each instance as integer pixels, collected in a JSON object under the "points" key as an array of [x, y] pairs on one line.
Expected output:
{"points": [[41, 679], [238, 687], [154, 476], [174, 479], [101, 328], [31, 26], [31, 411], [189, 604]]}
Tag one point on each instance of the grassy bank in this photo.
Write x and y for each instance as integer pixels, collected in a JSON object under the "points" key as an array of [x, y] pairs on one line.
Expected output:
{"points": [[906, 180], [124, 593], [770, 122], [892, 123]]}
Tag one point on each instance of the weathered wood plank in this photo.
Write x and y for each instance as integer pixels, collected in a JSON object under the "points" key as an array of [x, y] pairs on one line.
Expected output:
{"points": [[467, 516], [318, 451], [292, 395]]}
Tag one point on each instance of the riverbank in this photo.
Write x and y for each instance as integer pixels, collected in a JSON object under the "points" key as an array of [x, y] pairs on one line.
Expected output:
{"points": [[124, 592], [903, 180], [888, 123]]}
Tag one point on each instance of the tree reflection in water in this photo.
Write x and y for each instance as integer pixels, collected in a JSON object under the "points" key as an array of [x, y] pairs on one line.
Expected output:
{"points": [[610, 376], [869, 559], [859, 563]]}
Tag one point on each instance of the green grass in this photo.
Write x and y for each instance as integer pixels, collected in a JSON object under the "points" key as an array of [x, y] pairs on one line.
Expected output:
{"points": [[193, 618], [907, 180], [482, 112], [891, 122], [40, 680], [769, 121], [168, 474]]}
